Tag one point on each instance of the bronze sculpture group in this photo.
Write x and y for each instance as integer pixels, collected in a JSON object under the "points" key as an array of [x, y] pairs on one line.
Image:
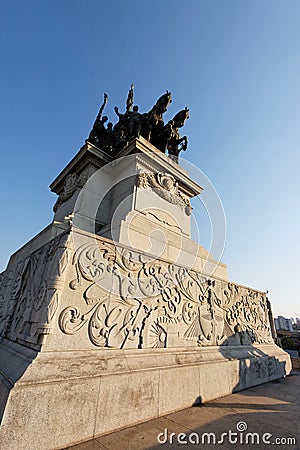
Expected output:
{"points": [[132, 124]]}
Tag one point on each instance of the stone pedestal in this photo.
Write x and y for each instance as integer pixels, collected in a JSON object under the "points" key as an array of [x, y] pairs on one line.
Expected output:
{"points": [[103, 326], [142, 199]]}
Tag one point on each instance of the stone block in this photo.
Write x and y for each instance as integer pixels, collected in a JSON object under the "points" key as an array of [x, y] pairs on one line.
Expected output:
{"points": [[127, 399], [214, 380], [179, 388], [50, 415]]}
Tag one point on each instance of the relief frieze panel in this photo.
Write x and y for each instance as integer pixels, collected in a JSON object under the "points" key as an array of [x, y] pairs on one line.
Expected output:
{"points": [[29, 293], [125, 299], [72, 183], [130, 300]]}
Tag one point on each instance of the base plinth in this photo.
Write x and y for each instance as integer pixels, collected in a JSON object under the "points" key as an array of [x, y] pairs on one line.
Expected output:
{"points": [[67, 397]]}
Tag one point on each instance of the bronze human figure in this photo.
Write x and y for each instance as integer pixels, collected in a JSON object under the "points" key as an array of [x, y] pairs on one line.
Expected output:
{"points": [[133, 124], [107, 140], [176, 143], [130, 99], [98, 128]]}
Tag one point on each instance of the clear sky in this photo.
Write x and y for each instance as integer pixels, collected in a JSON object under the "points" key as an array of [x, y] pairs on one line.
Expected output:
{"points": [[235, 63]]}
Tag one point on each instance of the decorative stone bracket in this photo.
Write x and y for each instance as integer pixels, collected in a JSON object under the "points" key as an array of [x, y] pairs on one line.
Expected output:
{"points": [[72, 183], [164, 185]]}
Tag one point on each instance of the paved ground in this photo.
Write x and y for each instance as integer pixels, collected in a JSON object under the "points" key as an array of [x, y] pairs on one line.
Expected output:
{"points": [[272, 408]]}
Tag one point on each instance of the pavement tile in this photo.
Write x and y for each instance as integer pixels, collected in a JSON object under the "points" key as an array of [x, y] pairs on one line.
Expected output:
{"points": [[144, 436], [89, 445]]}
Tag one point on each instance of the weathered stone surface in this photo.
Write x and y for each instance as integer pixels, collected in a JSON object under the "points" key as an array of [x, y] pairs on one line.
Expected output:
{"points": [[270, 410], [80, 395], [97, 333], [128, 336]]}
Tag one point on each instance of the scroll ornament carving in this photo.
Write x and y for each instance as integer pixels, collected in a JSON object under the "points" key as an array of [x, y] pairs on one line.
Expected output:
{"points": [[132, 301], [72, 183], [29, 293], [166, 187]]}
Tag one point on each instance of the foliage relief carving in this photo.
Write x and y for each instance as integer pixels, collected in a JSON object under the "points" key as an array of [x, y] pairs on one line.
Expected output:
{"points": [[166, 187], [133, 301]]}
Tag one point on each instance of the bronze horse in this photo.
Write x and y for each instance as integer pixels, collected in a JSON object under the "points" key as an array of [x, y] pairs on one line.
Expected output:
{"points": [[154, 122], [177, 143]]}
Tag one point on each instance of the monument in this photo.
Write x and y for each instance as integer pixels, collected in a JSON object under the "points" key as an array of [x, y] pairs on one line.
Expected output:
{"points": [[113, 315]]}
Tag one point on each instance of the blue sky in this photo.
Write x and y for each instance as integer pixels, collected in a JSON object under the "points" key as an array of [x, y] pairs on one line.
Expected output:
{"points": [[235, 64]]}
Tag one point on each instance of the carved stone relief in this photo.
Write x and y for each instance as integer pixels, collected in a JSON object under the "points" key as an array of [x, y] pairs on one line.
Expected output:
{"points": [[132, 301], [166, 187], [29, 293], [72, 183], [125, 299]]}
